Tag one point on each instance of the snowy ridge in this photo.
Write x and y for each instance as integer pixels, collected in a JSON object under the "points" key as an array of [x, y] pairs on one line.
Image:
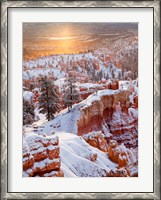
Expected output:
{"points": [[67, 121], [80, 159]]}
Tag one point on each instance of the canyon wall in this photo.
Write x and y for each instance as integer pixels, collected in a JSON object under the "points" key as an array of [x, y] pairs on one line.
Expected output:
{"points": [[114, 114]]}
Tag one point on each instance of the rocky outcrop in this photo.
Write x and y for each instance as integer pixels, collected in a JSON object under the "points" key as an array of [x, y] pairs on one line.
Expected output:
{"points": [[85, 92], [91, 117], [118, 173], [41, 156], [125, 158], [96, 139], [136, 101], [112, 110], [117, 153]]}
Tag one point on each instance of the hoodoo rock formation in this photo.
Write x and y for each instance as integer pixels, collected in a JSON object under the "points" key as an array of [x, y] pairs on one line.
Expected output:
{"points": [[117, 153], [41, 156], [125, 158], [96, 139]]}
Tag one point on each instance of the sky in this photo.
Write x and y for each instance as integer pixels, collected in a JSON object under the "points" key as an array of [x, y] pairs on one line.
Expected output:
{"points": [[70, 37]]}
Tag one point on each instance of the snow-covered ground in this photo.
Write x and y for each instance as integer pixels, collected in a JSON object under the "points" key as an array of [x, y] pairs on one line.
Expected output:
{"points": [[76, 156], [57, 66]]}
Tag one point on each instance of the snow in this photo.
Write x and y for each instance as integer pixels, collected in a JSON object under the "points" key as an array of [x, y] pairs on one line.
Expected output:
{"points": [[51, 147], [60, 83], [88, 85], [45, 162], [93, 134], [40, 119], [51, 173], [128, 85], [133, 113], [107, 134], [34, 73], [67, 172], [27, 95], [27, 172], [75, 156], [122, 148], [32, 140]]}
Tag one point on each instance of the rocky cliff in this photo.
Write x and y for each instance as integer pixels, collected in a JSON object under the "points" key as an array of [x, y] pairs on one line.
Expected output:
{"points": [[114, 114], [41, 156]]}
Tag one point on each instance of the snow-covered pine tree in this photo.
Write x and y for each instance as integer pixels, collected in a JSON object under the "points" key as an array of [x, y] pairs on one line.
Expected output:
{"points": [[71, 91], [107, 76], [48, 99], [120, 75], [113, 74], [28, 112], [100, 75]]}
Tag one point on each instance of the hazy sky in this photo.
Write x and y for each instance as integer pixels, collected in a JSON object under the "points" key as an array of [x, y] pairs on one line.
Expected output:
{"points": [[37, 30], [70, 37]]}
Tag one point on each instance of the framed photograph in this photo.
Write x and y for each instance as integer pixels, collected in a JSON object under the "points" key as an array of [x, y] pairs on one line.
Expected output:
{"points": [[80, 96]]}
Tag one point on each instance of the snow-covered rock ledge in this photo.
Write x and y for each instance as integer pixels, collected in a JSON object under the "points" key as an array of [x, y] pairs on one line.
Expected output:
{"points": [[41, 156], [100, 108]]}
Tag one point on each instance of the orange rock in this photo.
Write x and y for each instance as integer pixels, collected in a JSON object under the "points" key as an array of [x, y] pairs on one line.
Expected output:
{"points": [[91, 117], [28, 163], [41, 155], [93, 157], [93, 142], [122, 160], [96, 139], [113, 154], [28, 173], [53, 153], [136, 101], [58, 174], [53, 173], [53, 166], [102, 145], [118, 173], [44, 166], [117, 153]]}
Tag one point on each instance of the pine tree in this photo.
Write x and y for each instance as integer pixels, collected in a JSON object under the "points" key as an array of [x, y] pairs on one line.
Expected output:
{"points": [[71, 91], [100, 75], [28, 112], [48, 99], [107, 76], [113, 75], [120, 75]]}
